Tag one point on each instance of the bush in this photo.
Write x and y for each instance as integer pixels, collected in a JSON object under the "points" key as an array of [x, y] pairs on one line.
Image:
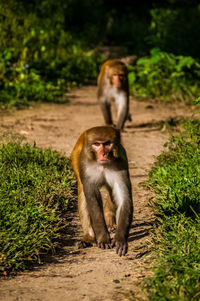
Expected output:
{"points": [[36, 187], [169, 30], [40, 59], [165, 76], [20, 84]]}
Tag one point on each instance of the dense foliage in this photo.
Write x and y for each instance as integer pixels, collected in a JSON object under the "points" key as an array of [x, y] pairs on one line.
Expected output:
{"points": [[35, 186], [165, 76], [169, 29], [175, 179], [39, 57], [47, 46], [171, 25]]}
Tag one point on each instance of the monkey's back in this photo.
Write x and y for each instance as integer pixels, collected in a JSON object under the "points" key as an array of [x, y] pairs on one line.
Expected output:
{"points": [[76, 154]]}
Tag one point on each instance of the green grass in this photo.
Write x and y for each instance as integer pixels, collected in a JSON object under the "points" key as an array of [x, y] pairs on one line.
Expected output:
{"points": [[175, 180], [36, 187], [176, 174], [177, 260]]}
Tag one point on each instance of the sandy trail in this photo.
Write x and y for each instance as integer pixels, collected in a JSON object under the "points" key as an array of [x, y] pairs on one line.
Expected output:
{"points": [[92, 273]]}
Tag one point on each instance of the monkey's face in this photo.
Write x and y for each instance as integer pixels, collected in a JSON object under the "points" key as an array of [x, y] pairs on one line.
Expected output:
{"points": [[103, 151], [117, 80], [101, 144]]}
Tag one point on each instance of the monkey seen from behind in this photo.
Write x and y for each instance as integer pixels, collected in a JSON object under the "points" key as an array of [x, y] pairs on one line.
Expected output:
{"points": [[99, 159]]}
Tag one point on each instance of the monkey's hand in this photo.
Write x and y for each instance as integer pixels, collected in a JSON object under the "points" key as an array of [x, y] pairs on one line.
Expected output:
{"points": [[83, 244], [121, 246], [104, 242]]}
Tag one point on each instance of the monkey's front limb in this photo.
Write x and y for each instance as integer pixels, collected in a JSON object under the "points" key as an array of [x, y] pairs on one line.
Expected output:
{"points": [[95, 209], [124, 219]]}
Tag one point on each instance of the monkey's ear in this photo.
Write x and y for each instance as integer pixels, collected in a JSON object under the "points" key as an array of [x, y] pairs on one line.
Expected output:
{"points": [[115, 153], [119, 153], [85, 138]]}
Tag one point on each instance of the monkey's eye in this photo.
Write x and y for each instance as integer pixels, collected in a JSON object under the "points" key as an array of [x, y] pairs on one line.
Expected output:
{"points": [[107, 143], [96, 143]]}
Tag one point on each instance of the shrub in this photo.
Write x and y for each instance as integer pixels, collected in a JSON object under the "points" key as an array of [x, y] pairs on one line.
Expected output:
{"points": [[170, 32], [165, 76], [40, 59]]}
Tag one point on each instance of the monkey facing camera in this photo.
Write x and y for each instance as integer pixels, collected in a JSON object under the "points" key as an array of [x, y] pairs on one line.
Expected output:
{"points": [[99, 159], [113, 86]]}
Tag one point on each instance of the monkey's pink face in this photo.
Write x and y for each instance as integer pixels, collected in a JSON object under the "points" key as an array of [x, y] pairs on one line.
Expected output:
{"points": [[117, 79], [102, 150]]}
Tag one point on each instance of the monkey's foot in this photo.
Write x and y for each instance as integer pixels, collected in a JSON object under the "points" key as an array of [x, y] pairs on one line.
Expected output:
{"points": [[103, 245], [111, 229], [104, 241], [121, 247], [83, 244], [129, 117]]}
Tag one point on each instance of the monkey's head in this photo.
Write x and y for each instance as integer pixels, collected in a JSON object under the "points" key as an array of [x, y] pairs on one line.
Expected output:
{"points": [[102, 143], [117, 73]]}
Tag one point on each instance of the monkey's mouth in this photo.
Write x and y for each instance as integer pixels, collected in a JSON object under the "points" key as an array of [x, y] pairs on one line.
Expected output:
{"points": [[103, 161]]}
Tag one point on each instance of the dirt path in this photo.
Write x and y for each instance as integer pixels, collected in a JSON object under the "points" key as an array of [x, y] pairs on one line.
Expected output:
{"points": [[92, 273]]}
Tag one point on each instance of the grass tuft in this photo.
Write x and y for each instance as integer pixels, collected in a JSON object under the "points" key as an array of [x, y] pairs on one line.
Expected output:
{"points": [[175, 180], [36, 186]]}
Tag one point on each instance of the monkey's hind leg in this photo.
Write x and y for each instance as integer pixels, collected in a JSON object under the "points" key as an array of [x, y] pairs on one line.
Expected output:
{"points": [[88, 233]]}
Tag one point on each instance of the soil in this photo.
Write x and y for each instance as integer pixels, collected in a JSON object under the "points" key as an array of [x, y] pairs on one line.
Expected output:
{"points": [[93, 274]]}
